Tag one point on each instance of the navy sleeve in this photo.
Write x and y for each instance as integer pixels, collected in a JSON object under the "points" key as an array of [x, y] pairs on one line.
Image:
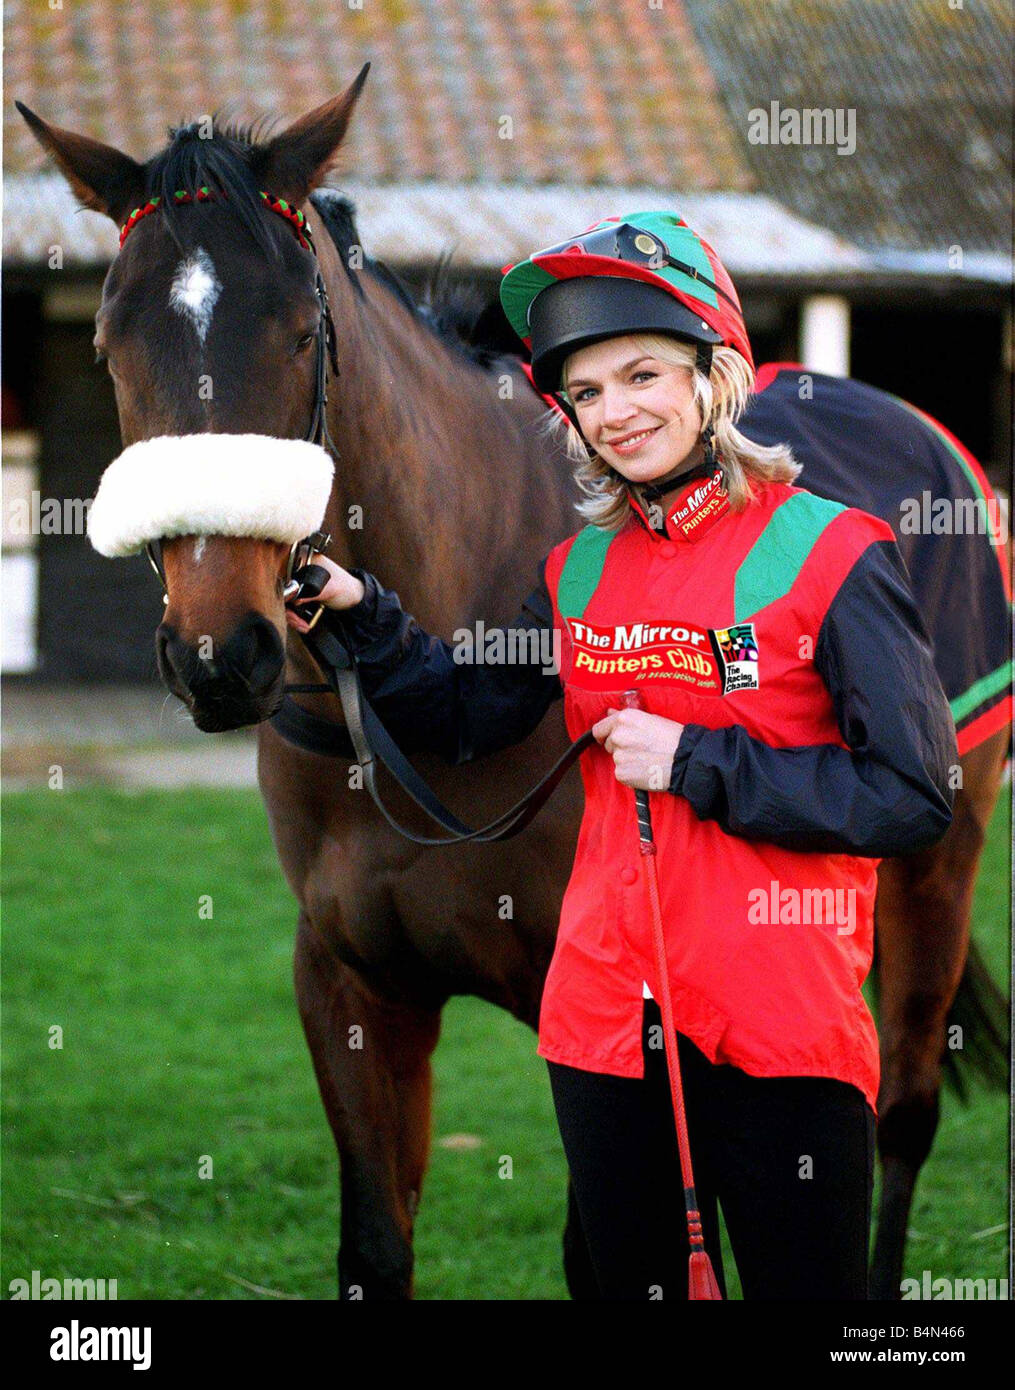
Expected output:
{"points": [[887, 792], [426, 699]]}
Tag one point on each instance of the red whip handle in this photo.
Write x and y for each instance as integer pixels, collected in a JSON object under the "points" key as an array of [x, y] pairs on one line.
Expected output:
{"points": [[702, 1280]]}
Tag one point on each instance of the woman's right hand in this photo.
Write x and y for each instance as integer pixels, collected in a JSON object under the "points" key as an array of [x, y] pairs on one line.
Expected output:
{"points": [[343, 590]]}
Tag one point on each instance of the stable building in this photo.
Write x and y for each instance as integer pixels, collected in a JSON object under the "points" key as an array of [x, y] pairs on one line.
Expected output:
{"points": [[877, 246]]}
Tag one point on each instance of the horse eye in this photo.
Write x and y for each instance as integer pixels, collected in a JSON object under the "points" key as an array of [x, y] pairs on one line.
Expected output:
{"points": [[305, 341]]}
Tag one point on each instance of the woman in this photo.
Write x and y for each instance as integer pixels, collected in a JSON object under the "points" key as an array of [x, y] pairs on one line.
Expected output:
{"points": [[794, 731]]}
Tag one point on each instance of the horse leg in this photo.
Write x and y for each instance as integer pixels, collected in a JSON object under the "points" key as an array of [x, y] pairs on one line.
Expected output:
{"points": [[372, 1061], [923, 913]]}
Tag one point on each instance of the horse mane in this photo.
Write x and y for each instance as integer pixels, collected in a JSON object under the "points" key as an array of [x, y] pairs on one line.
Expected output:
{"points": [[460, 316], [222, 160]]}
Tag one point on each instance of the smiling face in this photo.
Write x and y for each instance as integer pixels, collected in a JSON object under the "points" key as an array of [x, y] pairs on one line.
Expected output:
{"points": [[637, 412]]}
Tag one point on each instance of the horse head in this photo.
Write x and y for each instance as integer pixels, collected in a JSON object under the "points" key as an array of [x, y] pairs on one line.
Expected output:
{"points": [[214, 324]]}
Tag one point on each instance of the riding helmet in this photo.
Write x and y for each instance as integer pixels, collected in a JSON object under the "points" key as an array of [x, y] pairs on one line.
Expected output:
{"points": [[646, 272]]}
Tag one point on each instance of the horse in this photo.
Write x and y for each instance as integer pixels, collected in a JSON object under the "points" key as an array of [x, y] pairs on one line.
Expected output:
{"points": [[447, 488]]}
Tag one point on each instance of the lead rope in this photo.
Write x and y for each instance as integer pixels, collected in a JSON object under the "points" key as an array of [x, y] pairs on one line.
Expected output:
{"points": [[371, 741]]}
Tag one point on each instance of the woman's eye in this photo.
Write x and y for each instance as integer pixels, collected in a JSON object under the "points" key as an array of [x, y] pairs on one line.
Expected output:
{"points": [[582, 395]]}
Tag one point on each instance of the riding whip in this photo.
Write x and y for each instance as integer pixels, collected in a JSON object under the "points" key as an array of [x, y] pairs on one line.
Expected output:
{"points": [[702, 1282]]}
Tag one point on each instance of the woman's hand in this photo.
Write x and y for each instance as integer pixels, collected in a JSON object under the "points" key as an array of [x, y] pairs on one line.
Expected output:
{"points": [[343, 590], [642, 746]]}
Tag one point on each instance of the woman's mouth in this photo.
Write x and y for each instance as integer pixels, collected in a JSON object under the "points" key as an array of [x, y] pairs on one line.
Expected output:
{"points": [[635, 441]]}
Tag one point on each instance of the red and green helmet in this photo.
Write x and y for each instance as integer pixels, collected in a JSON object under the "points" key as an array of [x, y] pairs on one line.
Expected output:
{"points": [[646, 272]]}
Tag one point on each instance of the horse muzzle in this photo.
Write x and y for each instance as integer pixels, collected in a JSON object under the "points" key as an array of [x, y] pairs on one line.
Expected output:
{"points": [[240, 684], [216, 485]]}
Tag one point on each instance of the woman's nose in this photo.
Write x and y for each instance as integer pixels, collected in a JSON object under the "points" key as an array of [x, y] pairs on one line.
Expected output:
{"points": [[617, 408]]}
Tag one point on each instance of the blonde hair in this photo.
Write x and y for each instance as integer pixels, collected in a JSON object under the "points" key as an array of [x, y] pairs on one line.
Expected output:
{"points": [[721, 398]]}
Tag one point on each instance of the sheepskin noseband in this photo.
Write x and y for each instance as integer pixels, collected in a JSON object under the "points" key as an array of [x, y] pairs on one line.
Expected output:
{"points": [[210, 485]]}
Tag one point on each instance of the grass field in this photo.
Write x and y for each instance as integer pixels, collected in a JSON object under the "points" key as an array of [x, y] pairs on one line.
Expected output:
{"points": [[180, 1040]]}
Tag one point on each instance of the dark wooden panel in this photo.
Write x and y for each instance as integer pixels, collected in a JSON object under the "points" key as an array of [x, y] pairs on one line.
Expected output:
{"points": [[97, 617]]}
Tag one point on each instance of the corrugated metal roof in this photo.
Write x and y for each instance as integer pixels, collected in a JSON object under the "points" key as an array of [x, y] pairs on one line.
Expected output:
{"points": [[488, 225]]}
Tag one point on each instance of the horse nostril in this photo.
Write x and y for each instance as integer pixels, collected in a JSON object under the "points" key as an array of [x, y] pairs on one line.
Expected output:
{"points": [[164, 637], [254, 651], [170, 657]]}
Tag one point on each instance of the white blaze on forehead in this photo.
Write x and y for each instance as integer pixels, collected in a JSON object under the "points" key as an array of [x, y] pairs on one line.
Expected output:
{"points": [[194, 291], [199, 545]]}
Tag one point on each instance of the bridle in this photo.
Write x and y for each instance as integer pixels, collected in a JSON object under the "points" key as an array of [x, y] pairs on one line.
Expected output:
{"points": [[363, 736], [325, 351]]}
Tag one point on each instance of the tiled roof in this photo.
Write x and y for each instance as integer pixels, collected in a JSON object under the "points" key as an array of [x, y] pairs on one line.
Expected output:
{"points": [[648, 104], [595, 92], [487, 225], [931, 86]]}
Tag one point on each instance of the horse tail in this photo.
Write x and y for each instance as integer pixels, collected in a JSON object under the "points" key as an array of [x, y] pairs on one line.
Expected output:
{"points": [[981, 1011]]}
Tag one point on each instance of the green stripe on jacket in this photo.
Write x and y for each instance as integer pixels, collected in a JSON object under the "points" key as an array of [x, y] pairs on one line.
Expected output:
{"points": [[770, 568], [582, 570]]}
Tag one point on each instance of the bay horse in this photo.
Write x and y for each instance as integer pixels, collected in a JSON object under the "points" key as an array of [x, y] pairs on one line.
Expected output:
{"points": [[446, 488]]}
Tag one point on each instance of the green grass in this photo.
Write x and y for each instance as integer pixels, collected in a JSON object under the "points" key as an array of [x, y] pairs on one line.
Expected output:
{"points": [[181, 1039]]}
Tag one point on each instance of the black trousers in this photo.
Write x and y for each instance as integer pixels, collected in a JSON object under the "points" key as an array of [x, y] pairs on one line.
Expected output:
{"points": [[791, 1160]]}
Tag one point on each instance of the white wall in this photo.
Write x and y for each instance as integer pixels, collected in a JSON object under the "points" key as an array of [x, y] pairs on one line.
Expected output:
{"points": [[824, 334], [19, 558]]}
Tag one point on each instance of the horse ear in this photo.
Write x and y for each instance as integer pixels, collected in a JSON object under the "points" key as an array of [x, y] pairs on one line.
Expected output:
{"points": [[101, 177], [292, 164]]}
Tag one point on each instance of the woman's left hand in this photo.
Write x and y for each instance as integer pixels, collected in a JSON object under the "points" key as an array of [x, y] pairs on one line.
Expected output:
{"points": [[642, 746]]}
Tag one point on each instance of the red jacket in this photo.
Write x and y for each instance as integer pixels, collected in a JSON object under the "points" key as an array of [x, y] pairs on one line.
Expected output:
{"points": [[817, 738], [767, 945]]}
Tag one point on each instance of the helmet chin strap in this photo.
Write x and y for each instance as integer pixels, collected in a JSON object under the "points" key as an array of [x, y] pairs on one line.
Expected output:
{"points": [[652, 491]]}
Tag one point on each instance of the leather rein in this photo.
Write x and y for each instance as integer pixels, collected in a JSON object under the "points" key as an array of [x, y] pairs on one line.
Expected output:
{"points": [[363, 737]]}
